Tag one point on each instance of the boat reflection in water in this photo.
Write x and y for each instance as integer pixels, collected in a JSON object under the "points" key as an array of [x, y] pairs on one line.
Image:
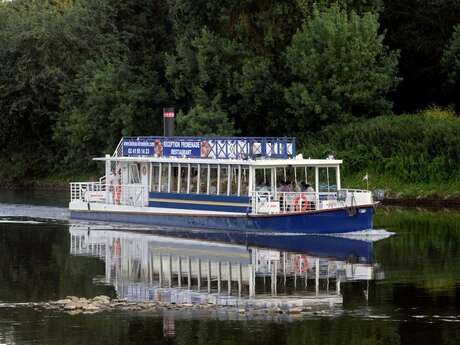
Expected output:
{"points": [[191, 267]]}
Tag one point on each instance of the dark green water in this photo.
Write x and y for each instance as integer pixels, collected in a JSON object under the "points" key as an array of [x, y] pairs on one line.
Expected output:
{"points": [[417, 301]]}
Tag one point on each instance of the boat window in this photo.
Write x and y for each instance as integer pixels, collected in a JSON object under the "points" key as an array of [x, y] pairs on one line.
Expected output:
{"points": [[234, 179], [204, 179], [193, 178], [174, 178], [213, 180], [244, 188], [299, 176], [154, 178], [164, 177], [327, 179], [263, 179], [281, 175], [133, 172], [223, 187], [183, 178], [310, 176]]}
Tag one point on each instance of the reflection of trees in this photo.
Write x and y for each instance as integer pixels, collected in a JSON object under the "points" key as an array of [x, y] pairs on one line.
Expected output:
{"points": [[35, 265], [426, 250]]}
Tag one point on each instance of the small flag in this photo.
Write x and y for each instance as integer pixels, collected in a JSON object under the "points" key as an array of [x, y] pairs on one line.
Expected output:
{"points": [[366, 177]]}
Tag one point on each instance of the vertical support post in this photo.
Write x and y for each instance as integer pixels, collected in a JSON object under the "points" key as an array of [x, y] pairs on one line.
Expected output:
{"points": [[284, 267], [317, 187], [169, 177], [209, 179], [306, 278], [179, 272], [337, 284], [209, 276], [161, 272], [295, 279], [229, 179], [240, 279], [199, 274], [153, 268], [251, 180], [219, 276], [239, 180], [316, 180], [339, 187], [252, 280], [198, 176], [170, 270], [317, 276], [107, 179], [159, 177], [218, 180], [189, 273], [188, 177], [229, 278], [178, 177]]}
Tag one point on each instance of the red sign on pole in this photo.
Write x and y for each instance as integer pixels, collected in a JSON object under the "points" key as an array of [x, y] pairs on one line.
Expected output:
{"points": [[168, 112]]}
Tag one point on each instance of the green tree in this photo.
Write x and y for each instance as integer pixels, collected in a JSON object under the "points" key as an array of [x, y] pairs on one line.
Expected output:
{"points": [[41, 46], [451, 61], [340, 69], [204, 121], [105, 101]]}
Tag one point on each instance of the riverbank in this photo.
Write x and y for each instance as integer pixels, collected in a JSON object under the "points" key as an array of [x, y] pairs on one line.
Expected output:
{"points": [[396, 192], [57, 183]]}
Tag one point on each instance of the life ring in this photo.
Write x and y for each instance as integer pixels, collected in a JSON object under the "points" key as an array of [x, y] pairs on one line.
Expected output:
{"points": [[300, 203], [301, 263]]}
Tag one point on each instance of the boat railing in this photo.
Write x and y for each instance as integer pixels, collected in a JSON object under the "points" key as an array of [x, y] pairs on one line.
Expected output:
{"points": [[87, 191], [96, 192], [267, 202]]}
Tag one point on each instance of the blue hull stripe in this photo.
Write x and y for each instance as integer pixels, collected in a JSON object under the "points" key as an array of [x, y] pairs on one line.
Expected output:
{"points": [[201, 207], [202, 202], [330, 221], [200, 197]]}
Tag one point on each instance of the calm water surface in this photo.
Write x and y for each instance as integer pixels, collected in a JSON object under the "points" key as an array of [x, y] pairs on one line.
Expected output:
{"points": [[404, 289]]}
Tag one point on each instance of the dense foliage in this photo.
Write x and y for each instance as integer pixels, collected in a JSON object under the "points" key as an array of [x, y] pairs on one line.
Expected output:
{"points": [[422, 147], [78, 74]]}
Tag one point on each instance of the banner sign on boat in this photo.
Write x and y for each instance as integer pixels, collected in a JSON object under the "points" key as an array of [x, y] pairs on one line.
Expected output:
{"points": [[161, 147], [144, 147], [181, 148], [208, 147]]}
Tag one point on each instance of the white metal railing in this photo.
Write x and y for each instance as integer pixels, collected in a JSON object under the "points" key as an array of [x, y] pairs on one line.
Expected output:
{"points": [[86, 191], [95, 192], [266, 202]]}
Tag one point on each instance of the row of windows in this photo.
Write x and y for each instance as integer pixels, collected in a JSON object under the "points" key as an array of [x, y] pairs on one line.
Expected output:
{"points": [[234, 179], [199, 179]]}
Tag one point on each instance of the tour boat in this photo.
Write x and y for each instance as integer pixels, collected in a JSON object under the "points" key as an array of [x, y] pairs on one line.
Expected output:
{"points": [[255, 184]]}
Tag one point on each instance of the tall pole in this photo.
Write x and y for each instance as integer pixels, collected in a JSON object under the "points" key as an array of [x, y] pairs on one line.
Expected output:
{"points": [[168, 122]]}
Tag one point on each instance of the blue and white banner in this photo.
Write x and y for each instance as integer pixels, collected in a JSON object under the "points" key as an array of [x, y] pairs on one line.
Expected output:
{"points": [[161, 147], [181, 148], [132, 147]]}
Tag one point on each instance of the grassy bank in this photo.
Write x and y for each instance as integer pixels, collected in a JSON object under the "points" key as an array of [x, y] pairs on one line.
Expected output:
{"points": [[396, 188], [57, 181], [408, 155]]}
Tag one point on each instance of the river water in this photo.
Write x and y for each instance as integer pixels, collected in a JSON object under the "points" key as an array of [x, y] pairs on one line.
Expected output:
{"points": [[379, 289]]}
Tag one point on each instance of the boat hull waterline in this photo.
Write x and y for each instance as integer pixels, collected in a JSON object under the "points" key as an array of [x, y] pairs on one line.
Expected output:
{"points": [[338, 220]]}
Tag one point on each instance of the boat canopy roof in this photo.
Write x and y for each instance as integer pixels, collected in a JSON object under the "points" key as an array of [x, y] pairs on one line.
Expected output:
{"points": [[254, 151], [262, 163]]}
